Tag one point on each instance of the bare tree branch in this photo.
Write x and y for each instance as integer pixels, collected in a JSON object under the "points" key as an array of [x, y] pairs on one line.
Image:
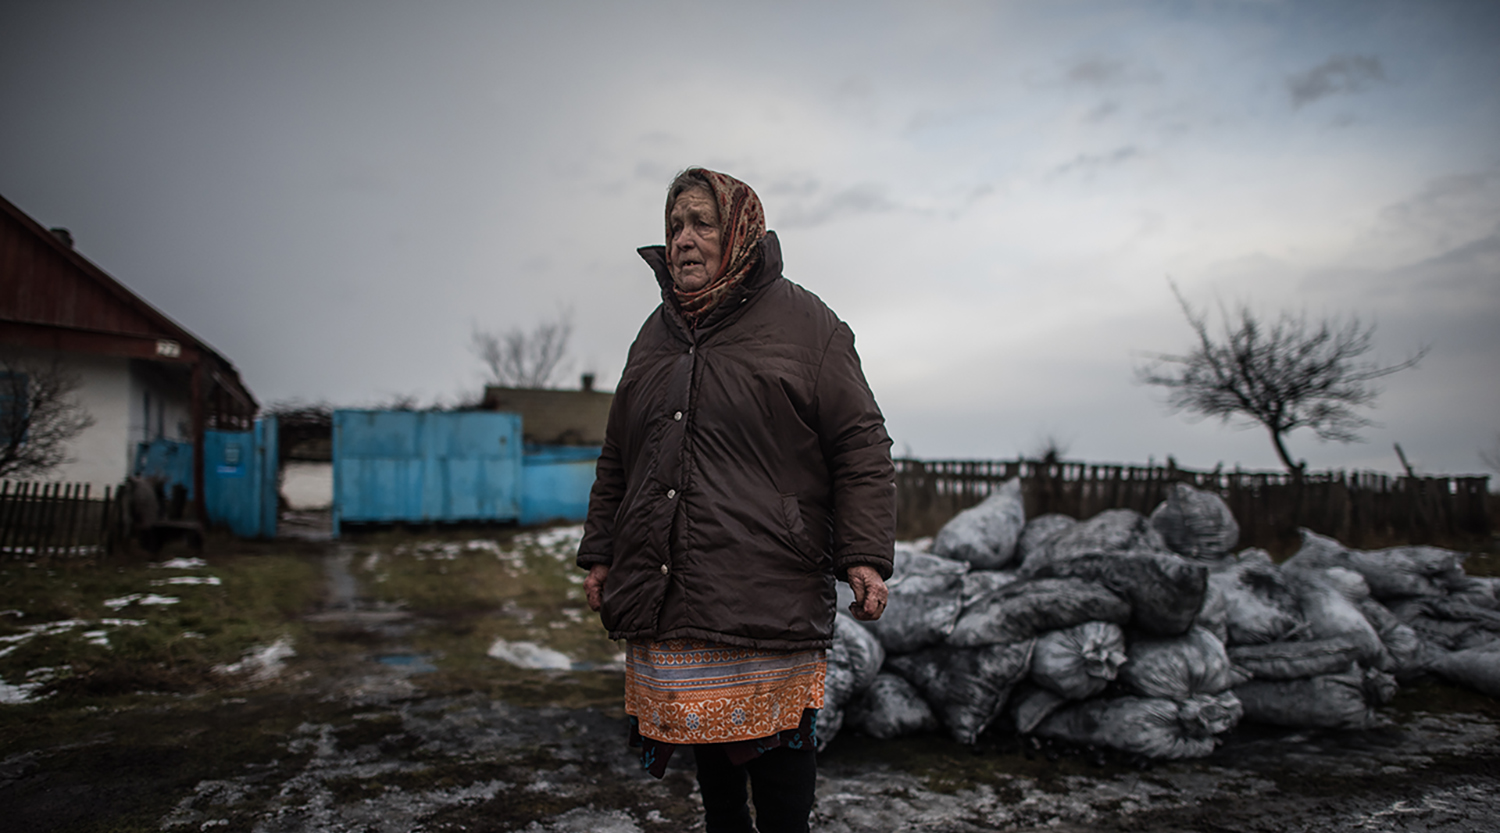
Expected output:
{"points": [[522, 359], [39, 416], [1287, 375], [1491, 456]]}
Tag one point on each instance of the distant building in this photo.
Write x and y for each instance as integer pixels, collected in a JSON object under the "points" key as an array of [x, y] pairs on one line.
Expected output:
{"points": [[555, 417], [143, 376]]}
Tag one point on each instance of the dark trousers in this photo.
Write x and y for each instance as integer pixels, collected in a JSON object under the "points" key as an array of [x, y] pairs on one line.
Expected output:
{"points": [[782, 781]]}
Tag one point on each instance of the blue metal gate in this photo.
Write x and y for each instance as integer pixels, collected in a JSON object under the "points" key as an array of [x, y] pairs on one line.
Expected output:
{"points": [[556, 482], [423, 467], [240, 479]]}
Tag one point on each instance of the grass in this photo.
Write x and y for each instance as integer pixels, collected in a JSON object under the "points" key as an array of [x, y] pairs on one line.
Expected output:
{"points": [[472, 591], [94, 649]]}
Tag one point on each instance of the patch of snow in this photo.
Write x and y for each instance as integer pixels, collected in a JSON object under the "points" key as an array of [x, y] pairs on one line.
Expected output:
{"points": [[307, 485], [100, 638], [483, 545], [192, 635], [187, 580], [261, 664], [561, 542], [530, 655], [140, 598], [21, 693], [61, 626], [15, 695], [586, 820], [117, 603], [16, 613], [181, 564]]}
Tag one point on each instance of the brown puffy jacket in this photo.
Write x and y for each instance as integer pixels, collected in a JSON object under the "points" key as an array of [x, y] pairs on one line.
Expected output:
{"points": [[745, 465]]}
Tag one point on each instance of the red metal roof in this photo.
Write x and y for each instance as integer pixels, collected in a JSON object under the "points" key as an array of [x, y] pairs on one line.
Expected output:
{"points": [[52, 296]]}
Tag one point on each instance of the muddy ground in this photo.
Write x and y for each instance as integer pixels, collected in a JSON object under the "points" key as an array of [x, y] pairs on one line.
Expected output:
{"points": [[369, 727]]}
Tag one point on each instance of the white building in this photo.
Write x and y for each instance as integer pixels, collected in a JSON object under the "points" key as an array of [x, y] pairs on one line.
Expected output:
{"points": [[142, 376]]}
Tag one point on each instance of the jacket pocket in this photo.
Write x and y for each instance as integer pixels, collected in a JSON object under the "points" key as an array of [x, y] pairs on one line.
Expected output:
{"points": [[791, 513]]}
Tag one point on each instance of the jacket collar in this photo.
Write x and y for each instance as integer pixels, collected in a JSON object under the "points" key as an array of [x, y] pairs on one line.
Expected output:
{"points": [[764, 273]]}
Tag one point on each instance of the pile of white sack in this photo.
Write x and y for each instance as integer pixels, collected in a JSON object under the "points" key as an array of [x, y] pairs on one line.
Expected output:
{"points": [[1146, 634]]}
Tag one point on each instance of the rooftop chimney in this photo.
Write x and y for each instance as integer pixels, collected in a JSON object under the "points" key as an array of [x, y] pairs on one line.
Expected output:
{"points": [[587, 381], [64, 235]]}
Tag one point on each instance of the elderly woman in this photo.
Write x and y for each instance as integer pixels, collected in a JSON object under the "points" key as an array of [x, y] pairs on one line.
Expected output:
{"points": [[746, 468]]}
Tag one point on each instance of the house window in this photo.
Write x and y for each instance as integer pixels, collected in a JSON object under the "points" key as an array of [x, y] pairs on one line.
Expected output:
{"points": [[14, 407]]}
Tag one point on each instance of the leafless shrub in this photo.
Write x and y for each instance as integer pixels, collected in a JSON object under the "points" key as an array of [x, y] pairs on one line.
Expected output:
{"points": [[522, 359], [39, 415], [1491, 456]]}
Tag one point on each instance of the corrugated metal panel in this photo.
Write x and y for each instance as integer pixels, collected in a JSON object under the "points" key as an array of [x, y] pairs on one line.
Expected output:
{"points": [[239, 479], [556, 482], [422, 467]]}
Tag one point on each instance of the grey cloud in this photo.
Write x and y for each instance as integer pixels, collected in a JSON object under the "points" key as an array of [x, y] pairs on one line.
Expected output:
{"points": [[1447, 209], [1092, 163], [804, 187], [865, 198], [1096, 72], [1102, 111], [1339, 75]]}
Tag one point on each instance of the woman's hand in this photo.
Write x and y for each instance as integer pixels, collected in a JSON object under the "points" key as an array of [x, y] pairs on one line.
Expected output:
{"points": [[870, 593], [593, 586]]}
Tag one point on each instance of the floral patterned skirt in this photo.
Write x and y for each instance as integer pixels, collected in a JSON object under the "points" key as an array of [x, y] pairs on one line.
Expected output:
{"points": [[690, 691]]}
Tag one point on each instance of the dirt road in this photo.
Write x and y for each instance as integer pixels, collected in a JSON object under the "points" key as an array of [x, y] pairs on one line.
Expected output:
{"points": [[359, 732]]}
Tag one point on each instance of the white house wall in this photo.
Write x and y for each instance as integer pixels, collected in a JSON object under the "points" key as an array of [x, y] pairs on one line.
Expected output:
{"points": [[101, 455]]}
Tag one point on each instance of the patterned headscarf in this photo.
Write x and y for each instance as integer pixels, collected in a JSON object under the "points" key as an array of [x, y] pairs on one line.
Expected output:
{"points": [[742, 224]]}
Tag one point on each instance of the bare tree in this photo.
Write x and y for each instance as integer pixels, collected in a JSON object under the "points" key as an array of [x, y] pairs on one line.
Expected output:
{"points": [[1048, 449], [1491, 456], [39, 415], [521, 359], [1287, 375]]}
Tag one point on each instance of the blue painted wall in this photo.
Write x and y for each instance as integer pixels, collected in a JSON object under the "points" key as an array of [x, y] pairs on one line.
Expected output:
{"points": [[556, 481], [422, 467], [240, 479], [169, 460]]}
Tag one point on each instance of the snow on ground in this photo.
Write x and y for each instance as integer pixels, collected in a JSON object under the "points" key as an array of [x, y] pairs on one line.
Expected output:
{"points": [[530, 655], [307, 485], [140, 599], [187, 580], [15, 641], [561, 541], [180, 564], [261, 664]]}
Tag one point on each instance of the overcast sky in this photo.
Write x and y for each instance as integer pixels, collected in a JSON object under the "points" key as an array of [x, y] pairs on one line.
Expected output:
{"points": [[993, 195]]}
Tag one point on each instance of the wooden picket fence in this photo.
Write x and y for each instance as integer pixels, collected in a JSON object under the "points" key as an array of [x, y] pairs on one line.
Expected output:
{"points": [[1361, 509], [57, 519]]}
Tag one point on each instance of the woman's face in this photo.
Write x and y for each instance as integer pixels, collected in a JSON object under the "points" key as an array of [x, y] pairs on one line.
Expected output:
{"points": [[694, 251]]}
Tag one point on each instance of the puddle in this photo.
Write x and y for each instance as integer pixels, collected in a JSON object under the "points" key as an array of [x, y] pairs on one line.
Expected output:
{"points": [[409, 663]]}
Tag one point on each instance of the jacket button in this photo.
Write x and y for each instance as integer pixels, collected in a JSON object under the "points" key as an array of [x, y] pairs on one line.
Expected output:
{"points": [[677, 416], [663, 569], [671, 493]]}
